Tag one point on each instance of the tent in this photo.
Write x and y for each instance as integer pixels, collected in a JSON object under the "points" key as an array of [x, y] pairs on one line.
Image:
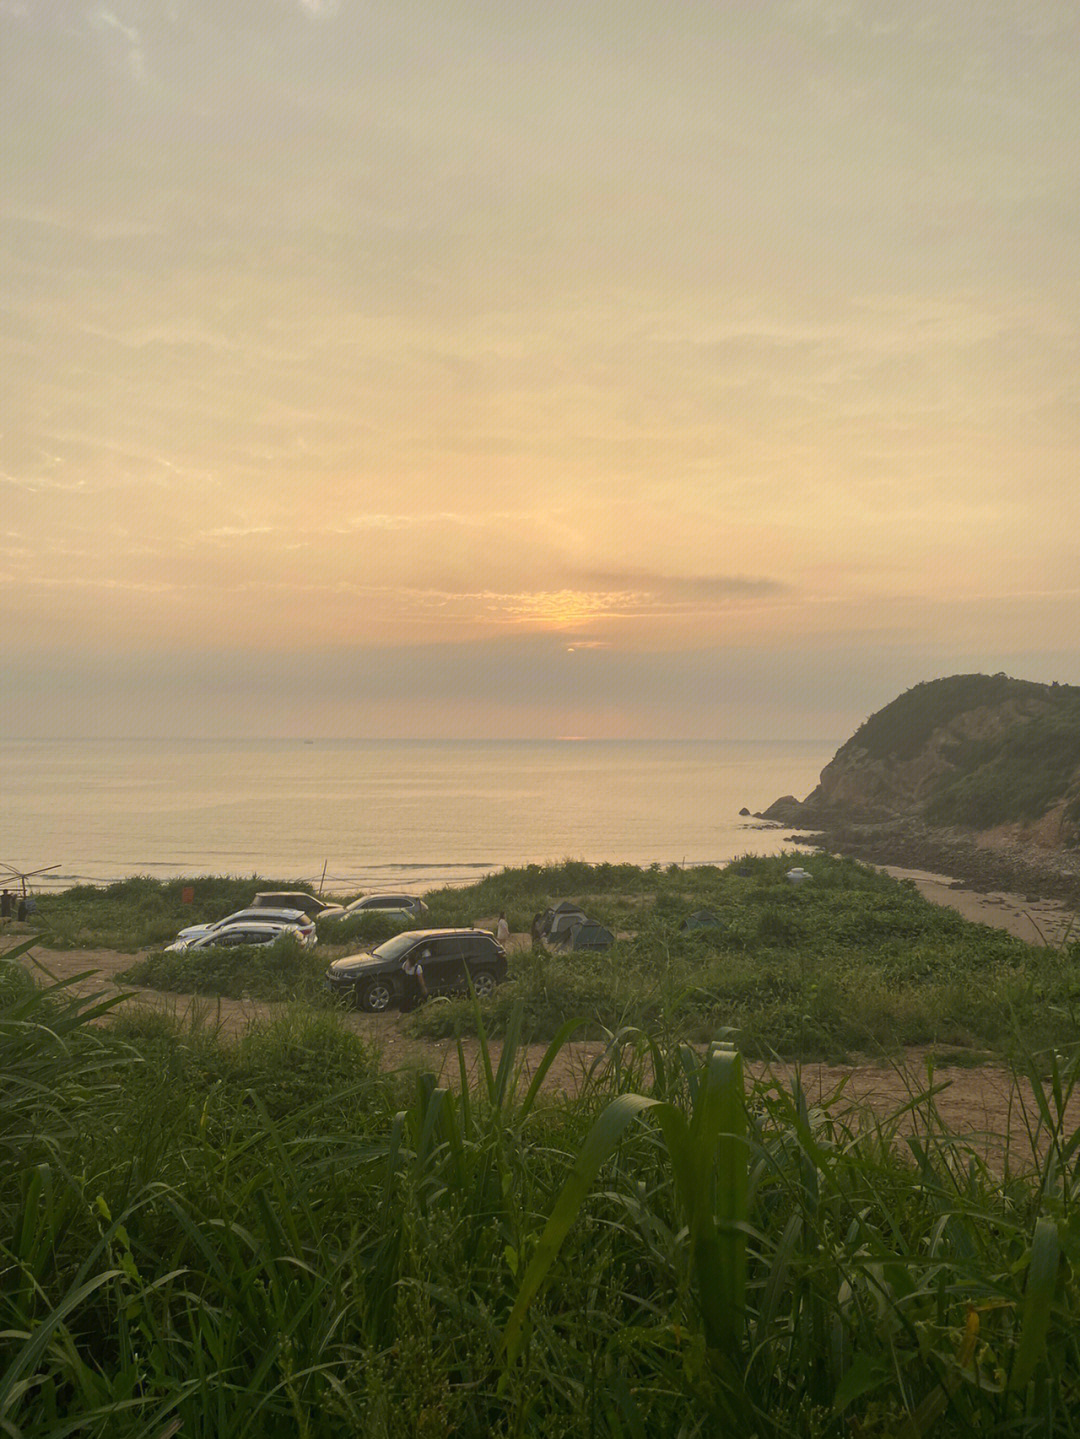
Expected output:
{"points": [[700, 919], [557, 921], [590, 935]]}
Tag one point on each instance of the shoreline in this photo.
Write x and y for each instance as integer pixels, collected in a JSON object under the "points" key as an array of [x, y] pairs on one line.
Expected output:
{"points": [[1042, 922], [1036, 901], [912, 845]]}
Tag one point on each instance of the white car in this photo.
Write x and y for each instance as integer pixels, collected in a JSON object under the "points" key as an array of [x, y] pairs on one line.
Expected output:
{"points": [[404, 907], [237, 934], [253, 916]]}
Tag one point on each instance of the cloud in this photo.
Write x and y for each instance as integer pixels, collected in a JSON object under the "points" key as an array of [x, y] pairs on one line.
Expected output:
{"points": [[488, 519], [505, 685], [684, 589], [104, 19]]}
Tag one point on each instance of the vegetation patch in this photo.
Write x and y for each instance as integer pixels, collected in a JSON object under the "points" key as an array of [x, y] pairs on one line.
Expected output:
{"points": [[142, 912], [851, 961], [901, 729], [279, 971], [1018, 776]]}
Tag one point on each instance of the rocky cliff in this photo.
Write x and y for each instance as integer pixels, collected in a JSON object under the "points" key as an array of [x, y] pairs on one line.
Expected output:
{"points": [[981, 759]]}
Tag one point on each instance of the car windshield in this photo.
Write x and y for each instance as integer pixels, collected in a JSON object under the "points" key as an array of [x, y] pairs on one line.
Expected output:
{"points": [[395, 948]]}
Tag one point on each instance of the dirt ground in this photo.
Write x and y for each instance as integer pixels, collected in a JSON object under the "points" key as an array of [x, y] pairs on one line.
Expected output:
{"points": [[981, 1103]]}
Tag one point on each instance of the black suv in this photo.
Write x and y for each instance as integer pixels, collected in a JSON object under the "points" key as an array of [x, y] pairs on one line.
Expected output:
{"points": [[376, 980]]}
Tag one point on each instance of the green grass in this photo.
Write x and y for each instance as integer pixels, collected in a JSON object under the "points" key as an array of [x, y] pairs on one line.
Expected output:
{"points": [[141, 912], [283, 970], [268, 1238], [852, 961]]}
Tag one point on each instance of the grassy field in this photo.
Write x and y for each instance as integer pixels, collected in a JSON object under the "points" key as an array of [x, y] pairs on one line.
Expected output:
{"points": [[850, 962], [272, 1238]]}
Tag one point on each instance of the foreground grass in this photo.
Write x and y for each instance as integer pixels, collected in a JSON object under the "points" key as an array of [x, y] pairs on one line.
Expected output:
{"points": [[271, 1239]]}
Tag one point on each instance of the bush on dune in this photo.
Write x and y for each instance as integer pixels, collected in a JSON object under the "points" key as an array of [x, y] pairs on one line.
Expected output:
{"points": [[140, 912], [279, 971]]}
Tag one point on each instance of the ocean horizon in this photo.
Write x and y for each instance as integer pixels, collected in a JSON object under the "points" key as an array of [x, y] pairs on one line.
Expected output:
{"points": [[365, 814]]}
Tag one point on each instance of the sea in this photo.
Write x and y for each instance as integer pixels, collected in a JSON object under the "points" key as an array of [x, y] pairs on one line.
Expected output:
{"points": [[360, 815]]}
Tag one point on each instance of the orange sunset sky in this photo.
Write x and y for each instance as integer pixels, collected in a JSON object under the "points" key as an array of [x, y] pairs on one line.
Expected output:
{"points": [[428, 369]]}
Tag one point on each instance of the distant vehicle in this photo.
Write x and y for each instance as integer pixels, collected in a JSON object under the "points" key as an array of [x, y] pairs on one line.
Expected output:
{"points": [[376, 979], [295, 917], [295, 899], [238, 934], [393, 906]]}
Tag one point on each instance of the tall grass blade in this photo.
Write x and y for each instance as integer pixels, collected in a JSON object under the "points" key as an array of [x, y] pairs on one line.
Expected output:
{"points": [[1038, 1298], [550, 1056], [600, 1144]]}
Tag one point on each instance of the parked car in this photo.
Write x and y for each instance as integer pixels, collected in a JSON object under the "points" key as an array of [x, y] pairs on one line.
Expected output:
{"points": [[295, 917], [376, 979], [312, 906], [237, 934], [393, 906]]}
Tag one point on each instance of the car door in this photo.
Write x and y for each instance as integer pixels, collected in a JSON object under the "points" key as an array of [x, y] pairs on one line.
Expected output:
{"points": [[231, 935], [444, 970]]}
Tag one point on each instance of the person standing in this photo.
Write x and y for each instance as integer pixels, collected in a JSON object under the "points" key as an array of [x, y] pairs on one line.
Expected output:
{"points": [[5, 904], [502, 930], [413, 965]]}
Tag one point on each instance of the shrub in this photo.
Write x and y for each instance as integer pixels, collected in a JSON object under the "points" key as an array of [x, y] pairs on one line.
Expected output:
{"points": [[279, 971]]}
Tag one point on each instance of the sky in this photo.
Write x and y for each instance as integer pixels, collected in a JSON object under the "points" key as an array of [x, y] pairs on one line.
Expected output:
{"points": [[648, 369]]}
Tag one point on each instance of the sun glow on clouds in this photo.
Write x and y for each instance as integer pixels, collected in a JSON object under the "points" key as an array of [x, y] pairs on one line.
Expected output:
{"points": [[372, 326]]}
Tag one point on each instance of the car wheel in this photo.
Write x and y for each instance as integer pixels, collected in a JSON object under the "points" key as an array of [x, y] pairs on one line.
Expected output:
{"points": [[484, 983], [376, 996]]}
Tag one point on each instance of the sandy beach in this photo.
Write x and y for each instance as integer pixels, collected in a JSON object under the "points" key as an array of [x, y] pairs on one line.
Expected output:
{"points": [[1043, 921]]}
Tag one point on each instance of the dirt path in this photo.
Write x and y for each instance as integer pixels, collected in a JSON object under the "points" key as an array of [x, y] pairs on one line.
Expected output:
{"points": [[981, 1103]]}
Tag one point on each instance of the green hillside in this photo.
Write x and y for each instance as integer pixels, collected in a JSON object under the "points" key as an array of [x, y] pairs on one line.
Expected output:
{"points": [[1022, 760]]}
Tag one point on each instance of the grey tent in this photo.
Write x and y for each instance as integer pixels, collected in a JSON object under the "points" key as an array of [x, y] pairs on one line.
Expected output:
{"points": [[557, 921], [700, 919], [590, 935]]}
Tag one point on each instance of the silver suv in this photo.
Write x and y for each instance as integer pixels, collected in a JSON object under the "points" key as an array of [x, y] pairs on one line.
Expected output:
{"points": [[295, 899]]}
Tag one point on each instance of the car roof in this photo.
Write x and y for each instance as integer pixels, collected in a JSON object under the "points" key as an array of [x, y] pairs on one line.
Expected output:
{"points": [[261, 913], [267, 924], [446, 933], [274, 926], [384, 897]]}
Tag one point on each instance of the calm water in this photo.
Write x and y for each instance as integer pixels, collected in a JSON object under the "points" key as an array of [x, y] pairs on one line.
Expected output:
{"points": [[379, 813]]}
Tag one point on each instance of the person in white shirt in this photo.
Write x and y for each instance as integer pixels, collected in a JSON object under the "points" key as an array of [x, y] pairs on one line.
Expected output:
{"points": [[413, 966], [502, 930]]}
